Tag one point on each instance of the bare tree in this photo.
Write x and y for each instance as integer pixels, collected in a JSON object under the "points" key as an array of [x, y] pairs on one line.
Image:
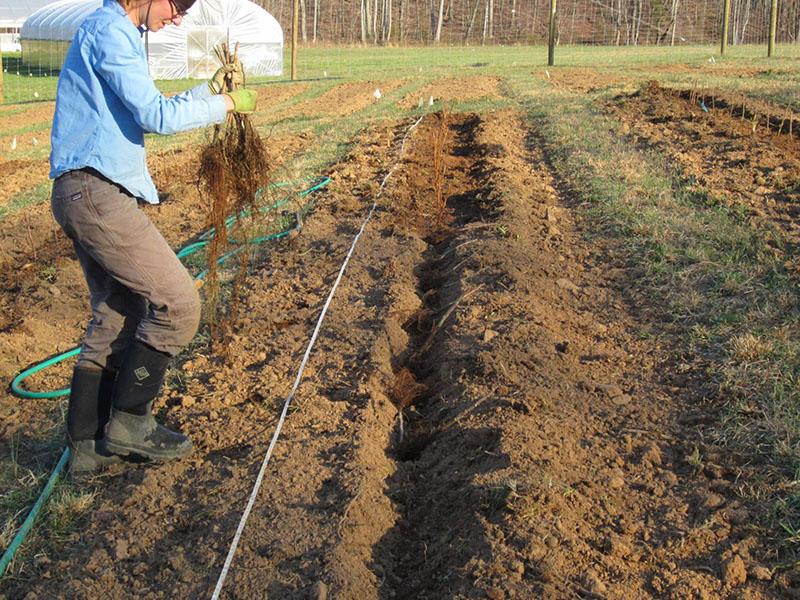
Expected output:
{"points": [[375, 22], [485, 21], [316, 21], [402, 20], [674, 21], [364, 20], [303, 35], [472, 20], [387, 21], [439, 22]]}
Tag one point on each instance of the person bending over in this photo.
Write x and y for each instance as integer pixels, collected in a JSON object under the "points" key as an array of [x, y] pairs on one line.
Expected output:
{"points": [[144, 303]]}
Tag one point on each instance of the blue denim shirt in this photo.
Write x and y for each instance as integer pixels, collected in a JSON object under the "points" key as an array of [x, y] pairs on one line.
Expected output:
{"points": [[106, 102]]}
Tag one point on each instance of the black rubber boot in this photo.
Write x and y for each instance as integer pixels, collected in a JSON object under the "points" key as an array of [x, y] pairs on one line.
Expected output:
{"points": [[87, 456], [132, 428], [87, 416], [89, 403]]}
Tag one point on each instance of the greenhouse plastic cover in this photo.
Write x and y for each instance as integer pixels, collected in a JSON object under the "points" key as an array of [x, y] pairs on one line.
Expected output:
{"points": [[187, 50], [14, 12]]}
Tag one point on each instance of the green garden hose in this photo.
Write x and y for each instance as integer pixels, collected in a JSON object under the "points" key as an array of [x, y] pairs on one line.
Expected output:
{"points": [[16, 384], [188, 250]]}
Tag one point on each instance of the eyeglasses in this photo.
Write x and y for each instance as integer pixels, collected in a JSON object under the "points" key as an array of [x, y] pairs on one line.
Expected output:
{"points": [[177, 12]]}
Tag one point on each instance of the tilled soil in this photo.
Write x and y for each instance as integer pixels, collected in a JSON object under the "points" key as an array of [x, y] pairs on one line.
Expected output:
{"points": [[480, 417], [344, 99], [454, 90], [729, 154]]}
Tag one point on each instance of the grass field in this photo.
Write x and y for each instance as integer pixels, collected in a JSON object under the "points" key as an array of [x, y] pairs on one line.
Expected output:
{"points": [[366, 63], [676, 215]]}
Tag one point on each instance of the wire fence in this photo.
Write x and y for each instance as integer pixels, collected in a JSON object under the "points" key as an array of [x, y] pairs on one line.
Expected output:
{"points": [[31, 74], [600, 22]]}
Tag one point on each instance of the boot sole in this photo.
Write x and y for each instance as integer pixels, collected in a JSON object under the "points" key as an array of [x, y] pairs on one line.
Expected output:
{"points": [[128, 449], [83, 469]]}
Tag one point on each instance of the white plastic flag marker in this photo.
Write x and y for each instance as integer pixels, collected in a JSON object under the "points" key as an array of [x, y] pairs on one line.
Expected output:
{"points": [[35, 142], [35, 94], [14, 143], [546, 72], [712, 60], [324, 73], [430, 101], [377, 94]]}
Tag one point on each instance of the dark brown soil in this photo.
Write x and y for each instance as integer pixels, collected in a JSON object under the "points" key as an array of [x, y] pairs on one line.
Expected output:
{"points": [[544, 450], [735, 159]]}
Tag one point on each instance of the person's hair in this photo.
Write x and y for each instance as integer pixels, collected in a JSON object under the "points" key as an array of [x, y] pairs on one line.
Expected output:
{"points": [[182, 5]]}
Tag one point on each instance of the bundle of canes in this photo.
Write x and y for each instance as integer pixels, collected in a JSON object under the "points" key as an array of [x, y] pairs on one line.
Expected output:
{"points": [[234, 166]]}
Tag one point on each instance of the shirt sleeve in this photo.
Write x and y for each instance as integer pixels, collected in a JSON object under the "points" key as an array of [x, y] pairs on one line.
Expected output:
{"points": [[119, 59], [198, 92]]}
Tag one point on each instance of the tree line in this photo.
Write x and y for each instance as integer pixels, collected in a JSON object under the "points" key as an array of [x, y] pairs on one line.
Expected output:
{"points": [[607, 22]]}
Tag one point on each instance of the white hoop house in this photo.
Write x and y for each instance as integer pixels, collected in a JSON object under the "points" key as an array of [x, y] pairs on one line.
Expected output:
{"points": [[173, 52], [12, 15]]}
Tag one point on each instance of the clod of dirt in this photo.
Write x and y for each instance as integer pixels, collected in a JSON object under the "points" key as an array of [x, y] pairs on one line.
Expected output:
{"points": [[616, 480], [495, 593], [610, 390], [594, 584], [710, 500], [615, 546], [121, 550], [760, 572], [733, 572], [319, 592], [489, 335], [652, 454], [566, 284], [738, 516]]}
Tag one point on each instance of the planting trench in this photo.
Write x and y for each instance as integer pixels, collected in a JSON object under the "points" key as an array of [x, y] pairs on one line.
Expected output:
{"points": [[541, 450]]}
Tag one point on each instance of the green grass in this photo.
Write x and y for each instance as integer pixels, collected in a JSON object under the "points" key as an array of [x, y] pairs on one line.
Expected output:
{"points": [[458, 61], [731, 308], [26, 198]]}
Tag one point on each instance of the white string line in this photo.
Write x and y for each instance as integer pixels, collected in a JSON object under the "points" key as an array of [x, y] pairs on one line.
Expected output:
{"points": [[229, 559]]}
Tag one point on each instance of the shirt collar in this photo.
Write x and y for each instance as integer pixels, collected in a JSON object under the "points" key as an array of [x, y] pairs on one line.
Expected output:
{"points": [[115, 5]]}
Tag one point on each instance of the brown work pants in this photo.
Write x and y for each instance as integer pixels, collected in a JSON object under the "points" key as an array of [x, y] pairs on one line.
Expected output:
{"points": [[138, 287]]}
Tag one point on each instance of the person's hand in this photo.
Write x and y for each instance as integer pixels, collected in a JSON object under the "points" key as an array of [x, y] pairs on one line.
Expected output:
{"points": [[244, 100], [233, 73]]}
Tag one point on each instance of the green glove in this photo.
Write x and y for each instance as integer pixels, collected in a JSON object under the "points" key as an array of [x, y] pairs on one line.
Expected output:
{"points": [[244, 100], [233, 73]]}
